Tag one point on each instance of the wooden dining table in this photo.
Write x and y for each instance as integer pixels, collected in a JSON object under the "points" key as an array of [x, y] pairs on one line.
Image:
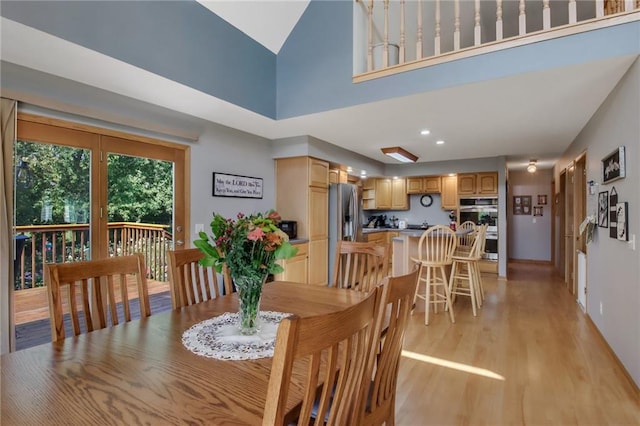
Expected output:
{"points": [[140, 373]]}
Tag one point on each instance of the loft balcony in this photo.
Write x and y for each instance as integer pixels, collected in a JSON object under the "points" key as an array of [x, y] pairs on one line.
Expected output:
{"points": [[391, 37]]}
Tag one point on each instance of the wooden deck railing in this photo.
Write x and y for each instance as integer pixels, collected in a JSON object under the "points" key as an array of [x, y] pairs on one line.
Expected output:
{"points": [[71, 243], [397, 36]]}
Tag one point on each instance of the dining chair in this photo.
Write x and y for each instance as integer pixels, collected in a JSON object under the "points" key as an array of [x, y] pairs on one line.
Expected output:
{"points": [[334, 349], [191, 282], [435, 252], [396, 299], [92, 285], [360, 265]]}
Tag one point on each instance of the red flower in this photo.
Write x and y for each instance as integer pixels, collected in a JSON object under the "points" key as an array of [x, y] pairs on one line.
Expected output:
{"points": [[255, 234]]}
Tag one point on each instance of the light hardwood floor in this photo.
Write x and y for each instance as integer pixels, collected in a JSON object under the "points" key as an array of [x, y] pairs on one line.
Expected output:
{"points": [[529, 357]]}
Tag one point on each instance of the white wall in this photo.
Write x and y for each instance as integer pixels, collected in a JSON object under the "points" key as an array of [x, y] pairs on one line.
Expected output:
{"points": [[530, 236], [225, 150], [613, 269]]}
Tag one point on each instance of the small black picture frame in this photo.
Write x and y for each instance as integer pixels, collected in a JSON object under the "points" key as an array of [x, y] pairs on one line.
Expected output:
{"points": [[603, 209], [613, 166], [622, 229]]}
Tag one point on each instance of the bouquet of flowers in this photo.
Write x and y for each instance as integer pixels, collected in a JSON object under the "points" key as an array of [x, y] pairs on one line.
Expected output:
{"points": [[250, 246]]}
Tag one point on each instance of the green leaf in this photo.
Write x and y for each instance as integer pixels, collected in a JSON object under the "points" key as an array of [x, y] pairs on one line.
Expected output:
{"points": [[208, 261], [286, 251], [206, 248]]}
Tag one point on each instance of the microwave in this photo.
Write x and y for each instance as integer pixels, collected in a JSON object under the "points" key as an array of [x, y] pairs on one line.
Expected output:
{"points": [[289, 227]]}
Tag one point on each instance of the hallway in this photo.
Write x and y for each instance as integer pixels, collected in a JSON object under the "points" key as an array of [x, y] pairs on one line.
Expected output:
{"points": [[530, 357]]}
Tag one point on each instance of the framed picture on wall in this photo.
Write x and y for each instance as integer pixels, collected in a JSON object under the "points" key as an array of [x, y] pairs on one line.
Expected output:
{"points": [[613, 166], [522, 204], [537, 210], [603, 209], [621, 214], [542, 200]]}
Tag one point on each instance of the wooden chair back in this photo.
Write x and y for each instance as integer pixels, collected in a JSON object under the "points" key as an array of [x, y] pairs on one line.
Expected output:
{"points": [[396, 299], [436, 246], [90, 290], [192, 283], [467, 239], [334, 350], [359, 265]]}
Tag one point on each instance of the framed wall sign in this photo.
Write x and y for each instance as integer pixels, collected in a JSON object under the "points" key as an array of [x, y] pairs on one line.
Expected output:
{"points": [[225, 185], [613, 166]]}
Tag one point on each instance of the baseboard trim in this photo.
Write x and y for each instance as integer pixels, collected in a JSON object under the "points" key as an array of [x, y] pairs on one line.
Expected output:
{"points": [[633, 384], [532, 261]]}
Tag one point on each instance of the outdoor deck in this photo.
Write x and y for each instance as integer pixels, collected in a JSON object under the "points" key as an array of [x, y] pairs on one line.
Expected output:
{"points": [[32, 311]]}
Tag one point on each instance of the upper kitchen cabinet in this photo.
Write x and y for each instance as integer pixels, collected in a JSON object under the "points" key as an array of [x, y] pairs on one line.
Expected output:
{"points": [[318, 173], [477, 184], [424, 185], [449, 197], [338, 176], [385, 194]]}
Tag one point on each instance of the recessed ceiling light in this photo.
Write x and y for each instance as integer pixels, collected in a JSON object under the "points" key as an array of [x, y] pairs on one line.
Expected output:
{"points": [[363, 172], [395, 177], [424, 132], [452, 174], [440, 142], [349, 169]]}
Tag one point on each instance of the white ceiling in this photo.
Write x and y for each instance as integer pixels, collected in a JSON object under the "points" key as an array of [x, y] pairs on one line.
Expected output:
{"points": [[268, 22], [535, 115]]}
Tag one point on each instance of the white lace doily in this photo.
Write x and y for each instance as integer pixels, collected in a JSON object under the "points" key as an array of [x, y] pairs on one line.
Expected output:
{"points": [[220, 338]]}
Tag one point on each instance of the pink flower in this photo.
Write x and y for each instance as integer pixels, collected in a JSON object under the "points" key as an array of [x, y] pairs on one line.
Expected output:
{"points": [[255, 234]]}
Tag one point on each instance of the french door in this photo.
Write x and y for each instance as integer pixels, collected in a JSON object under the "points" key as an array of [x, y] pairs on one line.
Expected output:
{"points": [[88, 193]]}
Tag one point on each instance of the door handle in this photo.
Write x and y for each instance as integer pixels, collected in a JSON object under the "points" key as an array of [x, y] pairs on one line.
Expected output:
{"points": [[179, 243]]}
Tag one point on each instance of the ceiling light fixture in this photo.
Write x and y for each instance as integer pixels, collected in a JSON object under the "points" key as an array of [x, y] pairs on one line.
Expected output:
{"points": [[400, 154], [531, 168], [440, 142], [425, 132]]}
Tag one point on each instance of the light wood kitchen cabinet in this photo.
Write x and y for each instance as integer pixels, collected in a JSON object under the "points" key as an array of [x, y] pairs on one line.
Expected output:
{"points": [[318, 262], [478, 184], [338, 176], [318, 213], [376, 237], [399, 199], [301, 195], [318, 173], [383, 194], [449, 197], [423, 185], [296, 268]]}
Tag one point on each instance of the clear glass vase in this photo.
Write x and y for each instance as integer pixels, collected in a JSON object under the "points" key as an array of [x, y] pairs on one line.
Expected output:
{"points": [[249, 294]]}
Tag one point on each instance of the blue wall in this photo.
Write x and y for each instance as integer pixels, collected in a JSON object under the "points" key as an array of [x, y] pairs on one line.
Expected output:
{"points": [[180, 40]]}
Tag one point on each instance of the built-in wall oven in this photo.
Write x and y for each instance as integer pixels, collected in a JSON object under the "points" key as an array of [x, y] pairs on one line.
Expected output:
{"points": [[483, 210]]}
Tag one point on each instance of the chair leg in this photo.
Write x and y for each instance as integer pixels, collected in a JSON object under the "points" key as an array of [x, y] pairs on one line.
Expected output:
{"points": [[453, 284], [447, 295], [415, 294], [472, 286], [427, 298]]}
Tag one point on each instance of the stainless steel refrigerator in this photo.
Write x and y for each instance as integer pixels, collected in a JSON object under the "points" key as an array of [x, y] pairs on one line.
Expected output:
{"points": [[345, 217]]}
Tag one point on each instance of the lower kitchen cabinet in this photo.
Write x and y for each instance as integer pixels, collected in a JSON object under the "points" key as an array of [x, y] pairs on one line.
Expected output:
{"points": [[318, 261], [296, 269]]}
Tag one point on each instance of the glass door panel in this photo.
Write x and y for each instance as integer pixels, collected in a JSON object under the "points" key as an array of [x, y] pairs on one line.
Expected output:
{"points": [[140, 210]]}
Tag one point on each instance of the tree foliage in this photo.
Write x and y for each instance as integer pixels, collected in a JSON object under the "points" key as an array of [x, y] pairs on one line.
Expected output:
{"points": [[139, 189]]}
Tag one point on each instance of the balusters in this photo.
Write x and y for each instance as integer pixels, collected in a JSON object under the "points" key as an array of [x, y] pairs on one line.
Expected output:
{"points": [[456, 25], [546, 14], [599, 8], [522, 18], [402, 41], [573, 13], [370, 41], [498, 19], [385, 55], [419, 41], [476, 29], [437, 35]]}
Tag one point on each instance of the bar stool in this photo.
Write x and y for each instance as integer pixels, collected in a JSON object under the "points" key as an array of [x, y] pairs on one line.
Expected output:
{"points": [[466, 241], [435, 252], [465, 273]]}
